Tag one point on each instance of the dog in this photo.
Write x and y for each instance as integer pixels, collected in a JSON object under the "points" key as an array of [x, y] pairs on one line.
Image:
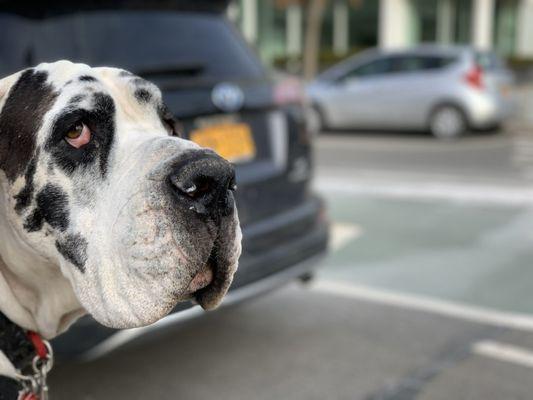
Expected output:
{"points": [[104, 209]]}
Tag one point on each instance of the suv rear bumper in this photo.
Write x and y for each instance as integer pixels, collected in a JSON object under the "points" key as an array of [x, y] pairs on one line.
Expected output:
{"points": [[281, 241]]}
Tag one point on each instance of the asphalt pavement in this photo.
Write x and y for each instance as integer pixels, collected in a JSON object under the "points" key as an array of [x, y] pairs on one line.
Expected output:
{"points": [[427, 293], [299, 343]]}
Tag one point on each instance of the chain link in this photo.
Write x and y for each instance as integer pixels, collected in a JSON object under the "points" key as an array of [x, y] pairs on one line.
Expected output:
{"points": [[36, 384]]}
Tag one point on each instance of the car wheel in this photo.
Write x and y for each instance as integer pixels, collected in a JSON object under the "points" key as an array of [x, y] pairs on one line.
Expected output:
{"points": [[447, 122]]}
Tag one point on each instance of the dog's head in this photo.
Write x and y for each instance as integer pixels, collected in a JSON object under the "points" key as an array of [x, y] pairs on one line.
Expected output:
{"points": [[95, 180]]}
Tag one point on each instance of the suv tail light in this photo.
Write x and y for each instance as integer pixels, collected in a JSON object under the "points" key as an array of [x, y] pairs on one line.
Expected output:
{"points": [[288, 91], [474, 78]]}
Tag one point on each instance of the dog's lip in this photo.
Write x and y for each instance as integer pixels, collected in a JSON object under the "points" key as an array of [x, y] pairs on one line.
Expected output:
{"points": [[202, 279], [212, 265]]}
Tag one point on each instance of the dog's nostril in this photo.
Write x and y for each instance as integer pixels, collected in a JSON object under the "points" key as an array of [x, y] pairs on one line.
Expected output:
{"points": [[195, 189], [205, 181]]}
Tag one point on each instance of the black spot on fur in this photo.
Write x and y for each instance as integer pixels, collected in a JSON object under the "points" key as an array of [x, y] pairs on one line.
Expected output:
{"points": [[34, 222], [21, 117], [168, 119], [52, 206], [23, 198], [74, 249], [77, 99], [143, 95], [87, 78]]}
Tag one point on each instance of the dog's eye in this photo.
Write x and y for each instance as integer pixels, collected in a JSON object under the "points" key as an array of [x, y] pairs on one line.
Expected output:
{"points": [[78, 136]]}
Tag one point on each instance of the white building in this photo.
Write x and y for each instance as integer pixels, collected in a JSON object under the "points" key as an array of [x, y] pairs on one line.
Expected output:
{"points": [[276, 26]]}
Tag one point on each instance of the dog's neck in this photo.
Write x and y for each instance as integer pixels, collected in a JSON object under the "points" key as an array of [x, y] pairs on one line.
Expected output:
{"points": [[34, 294], [46, 305]]}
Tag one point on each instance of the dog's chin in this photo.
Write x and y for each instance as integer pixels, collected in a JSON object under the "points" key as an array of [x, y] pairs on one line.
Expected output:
{"points": [[145, 299]]}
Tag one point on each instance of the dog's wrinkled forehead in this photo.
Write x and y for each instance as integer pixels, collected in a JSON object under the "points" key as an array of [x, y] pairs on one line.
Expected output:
{"points": [[122, 85], [42, 102]]}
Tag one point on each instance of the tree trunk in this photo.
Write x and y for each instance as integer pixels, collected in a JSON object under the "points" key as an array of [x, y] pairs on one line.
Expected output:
{"points": [[315, 11]]}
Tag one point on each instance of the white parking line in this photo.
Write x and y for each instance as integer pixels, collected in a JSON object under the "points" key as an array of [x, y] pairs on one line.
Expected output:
{"points": [[373, 143], [342, 234], [464, 193], [504, 352], [445, 308]]}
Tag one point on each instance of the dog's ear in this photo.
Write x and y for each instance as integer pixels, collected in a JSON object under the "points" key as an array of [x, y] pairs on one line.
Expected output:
{"points": [[25, 98]]}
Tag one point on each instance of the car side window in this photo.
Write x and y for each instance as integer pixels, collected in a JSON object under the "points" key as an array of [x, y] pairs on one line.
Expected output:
{"points": [[396, 65], [372, 68], [420, 63]]}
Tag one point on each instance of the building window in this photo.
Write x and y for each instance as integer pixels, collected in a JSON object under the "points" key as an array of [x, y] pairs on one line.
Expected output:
{"points": [[505, 26], [463, 20], [363, 24]]}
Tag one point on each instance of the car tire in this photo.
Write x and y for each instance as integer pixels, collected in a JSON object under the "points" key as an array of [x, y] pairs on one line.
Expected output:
{"points": [[447, 123]]}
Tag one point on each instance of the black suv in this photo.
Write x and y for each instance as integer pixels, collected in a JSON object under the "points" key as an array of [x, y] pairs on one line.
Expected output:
{"points": [[218, 89]]}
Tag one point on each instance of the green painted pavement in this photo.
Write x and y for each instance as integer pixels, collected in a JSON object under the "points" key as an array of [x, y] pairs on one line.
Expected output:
{"points": [[476, 254]]}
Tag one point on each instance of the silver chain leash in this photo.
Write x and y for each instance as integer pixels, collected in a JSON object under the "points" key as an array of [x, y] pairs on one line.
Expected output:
{"points": [[35, 387]]}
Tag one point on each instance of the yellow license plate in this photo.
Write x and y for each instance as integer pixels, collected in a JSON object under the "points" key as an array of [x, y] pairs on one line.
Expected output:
{"points": [[233, 141]]}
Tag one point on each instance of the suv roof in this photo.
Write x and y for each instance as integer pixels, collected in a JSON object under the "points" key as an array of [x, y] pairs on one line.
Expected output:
{"points": [[209, 48], [42, 9]]}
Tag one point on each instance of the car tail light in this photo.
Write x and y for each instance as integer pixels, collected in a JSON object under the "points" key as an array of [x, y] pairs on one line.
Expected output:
{"points": [[474, 78], [288, 91]]}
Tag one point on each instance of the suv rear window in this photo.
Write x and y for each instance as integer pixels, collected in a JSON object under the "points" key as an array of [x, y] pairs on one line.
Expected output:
{"points": [[159, 44]]}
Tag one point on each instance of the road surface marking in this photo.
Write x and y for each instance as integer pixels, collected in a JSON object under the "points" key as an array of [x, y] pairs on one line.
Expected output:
{"points": [[446, 308], [383, 143], [464, 193], [342, 234], [504, 352]]}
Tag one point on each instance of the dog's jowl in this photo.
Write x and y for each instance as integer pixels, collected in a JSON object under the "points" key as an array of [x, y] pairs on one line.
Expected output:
{"points": [[103, 209]]}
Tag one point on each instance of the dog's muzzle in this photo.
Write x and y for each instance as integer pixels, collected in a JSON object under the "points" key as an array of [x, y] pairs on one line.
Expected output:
{"points": [[203, 183]]}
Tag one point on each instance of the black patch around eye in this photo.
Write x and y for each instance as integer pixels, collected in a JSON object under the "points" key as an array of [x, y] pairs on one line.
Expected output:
{"points": [[87, 78], [100, 120], [104, 119], [23, 198], [52, 205], [27, 102], [143, 95], [74, 249]]}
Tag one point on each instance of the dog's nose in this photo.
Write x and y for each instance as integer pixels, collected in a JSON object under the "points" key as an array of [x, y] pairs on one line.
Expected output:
{"points": [[205, 181]]}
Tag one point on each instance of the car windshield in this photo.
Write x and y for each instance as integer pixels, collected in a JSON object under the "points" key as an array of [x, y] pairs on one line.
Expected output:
{"points": [[177, 44]]}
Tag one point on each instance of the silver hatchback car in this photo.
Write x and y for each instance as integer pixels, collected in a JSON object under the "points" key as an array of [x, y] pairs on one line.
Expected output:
{"points": [[446, 90]]}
